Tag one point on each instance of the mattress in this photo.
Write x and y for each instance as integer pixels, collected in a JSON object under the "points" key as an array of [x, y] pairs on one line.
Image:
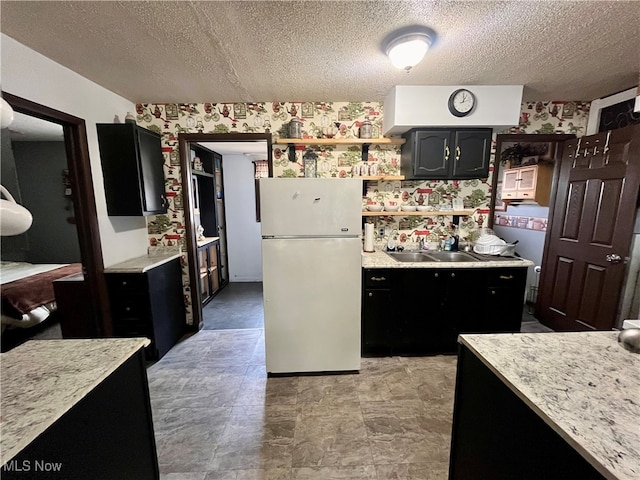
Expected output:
{"points": [[11, 276]]}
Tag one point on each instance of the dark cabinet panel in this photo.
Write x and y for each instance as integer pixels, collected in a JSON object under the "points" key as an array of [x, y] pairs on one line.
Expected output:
{"points": [[150, 305], [376, 309], [471, 153], [423, 310], [77, 318], [504, 299], [132, 167], [446, 154], [430, 155]]}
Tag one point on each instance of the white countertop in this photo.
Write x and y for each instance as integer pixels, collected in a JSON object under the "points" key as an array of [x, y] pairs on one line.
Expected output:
{"points": [[380, 259], [142, 264], [584, 385], [41, 380], [206, 241]]}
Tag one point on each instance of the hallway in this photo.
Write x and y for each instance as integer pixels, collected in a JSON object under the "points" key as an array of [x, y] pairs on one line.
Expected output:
{"points": [[238, 305]]}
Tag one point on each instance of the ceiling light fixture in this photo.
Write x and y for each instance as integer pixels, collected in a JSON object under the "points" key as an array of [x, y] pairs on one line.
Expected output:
{"points": [[407, 47]]}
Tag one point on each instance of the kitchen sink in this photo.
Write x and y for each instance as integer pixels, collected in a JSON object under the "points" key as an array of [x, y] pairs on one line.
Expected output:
{"points": [[444, 256], [410, 256], [451, 257]]}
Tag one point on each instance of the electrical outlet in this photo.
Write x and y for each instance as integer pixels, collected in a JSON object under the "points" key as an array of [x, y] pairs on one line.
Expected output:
{"points": [[381, 232]]}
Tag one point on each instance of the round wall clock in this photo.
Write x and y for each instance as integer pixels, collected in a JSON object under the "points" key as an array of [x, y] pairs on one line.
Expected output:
{"points": [[461, 102]]}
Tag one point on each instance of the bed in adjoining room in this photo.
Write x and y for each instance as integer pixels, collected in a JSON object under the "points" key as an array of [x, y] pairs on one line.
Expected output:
{"points": [[27, 294]]}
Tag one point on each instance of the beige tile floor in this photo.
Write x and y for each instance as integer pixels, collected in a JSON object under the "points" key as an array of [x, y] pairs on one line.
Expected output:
{"points": [[218, 416]]}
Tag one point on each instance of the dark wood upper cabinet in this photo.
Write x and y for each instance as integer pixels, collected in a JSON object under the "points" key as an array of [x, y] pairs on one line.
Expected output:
{"points": [[132, 166], [446, 154]]}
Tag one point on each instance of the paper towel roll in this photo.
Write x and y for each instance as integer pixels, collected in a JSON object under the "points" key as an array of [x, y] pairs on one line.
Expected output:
{"points": [[368, 237]]}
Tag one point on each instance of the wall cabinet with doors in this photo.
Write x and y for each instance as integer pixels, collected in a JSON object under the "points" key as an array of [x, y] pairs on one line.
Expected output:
{"points": [[446, 154], [408, 311], [511, 149], [132, 166], [532, 182], [209, 213]]}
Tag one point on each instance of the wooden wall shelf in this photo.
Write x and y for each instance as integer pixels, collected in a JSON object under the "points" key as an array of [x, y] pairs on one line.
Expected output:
{"points": [[340, 141], [383, 178], [365, 142], [463, 213]]}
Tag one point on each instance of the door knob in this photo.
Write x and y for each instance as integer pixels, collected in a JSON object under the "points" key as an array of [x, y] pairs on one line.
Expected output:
{"points": [[614, 258]]}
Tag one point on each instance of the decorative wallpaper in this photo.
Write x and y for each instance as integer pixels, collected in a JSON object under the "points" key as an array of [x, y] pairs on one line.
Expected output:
{"points": [[519, 221], [338, 120]]}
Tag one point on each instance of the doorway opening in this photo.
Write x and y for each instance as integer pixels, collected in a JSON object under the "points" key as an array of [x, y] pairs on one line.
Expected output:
{"points": [[231, 235], [78, 208]]}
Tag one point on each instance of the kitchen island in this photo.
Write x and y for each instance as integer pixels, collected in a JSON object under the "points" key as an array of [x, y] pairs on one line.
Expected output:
{"points": [[76, 409], [420, 307], [546, 405]]}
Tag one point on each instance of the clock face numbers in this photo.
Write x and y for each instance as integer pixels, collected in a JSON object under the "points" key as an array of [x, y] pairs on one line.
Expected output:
{"points": [[461, 102]]}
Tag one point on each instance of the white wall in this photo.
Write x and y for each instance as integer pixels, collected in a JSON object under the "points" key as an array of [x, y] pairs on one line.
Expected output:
{"points": [[243, 232], [530, 242], [32, 76]]}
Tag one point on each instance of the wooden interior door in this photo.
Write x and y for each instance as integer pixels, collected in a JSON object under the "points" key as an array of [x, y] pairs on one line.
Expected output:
{"points": [[591, 223]]}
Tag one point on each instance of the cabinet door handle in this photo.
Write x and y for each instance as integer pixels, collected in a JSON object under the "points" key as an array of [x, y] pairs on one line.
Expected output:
{"points": [[378, 279], [446, 153], [453, 275], [458, 153], [127, 309], [506, 277], [370, 294], [436, 275], [493, 292]]}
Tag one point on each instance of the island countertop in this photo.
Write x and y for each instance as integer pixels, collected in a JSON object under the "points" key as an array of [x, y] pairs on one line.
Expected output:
{"points": [[584, 385], [42, 380], [379, 259]]}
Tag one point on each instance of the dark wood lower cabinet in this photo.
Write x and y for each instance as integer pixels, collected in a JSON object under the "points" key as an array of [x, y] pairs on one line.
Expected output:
{"points": [[77, 319], [423, 310], [497, 436], [376, 308], [106, 435], [150, 305]]}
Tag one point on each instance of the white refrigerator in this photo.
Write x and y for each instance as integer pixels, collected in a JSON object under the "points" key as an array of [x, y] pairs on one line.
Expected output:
{"points": [[311, 261]]}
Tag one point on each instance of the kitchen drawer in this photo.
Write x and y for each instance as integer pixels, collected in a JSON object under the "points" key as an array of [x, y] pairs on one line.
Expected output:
{"points": [[506, 277], [130, 306], [127, 283], [376, 278]]}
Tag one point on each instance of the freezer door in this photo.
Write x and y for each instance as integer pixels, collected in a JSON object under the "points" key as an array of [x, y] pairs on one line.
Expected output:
{"points": [[312, 304], [311, 206]]}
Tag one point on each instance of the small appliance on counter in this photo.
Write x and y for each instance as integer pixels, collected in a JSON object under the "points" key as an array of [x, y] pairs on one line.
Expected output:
{"points": [[311, 262]]}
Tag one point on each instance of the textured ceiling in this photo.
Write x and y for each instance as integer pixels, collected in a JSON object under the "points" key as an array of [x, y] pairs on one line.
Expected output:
{"points": [[191, 51]]}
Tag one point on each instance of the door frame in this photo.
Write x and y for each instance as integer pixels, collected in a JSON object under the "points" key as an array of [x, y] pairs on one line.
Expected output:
{"points": [[84, 204], [184, 140]]}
